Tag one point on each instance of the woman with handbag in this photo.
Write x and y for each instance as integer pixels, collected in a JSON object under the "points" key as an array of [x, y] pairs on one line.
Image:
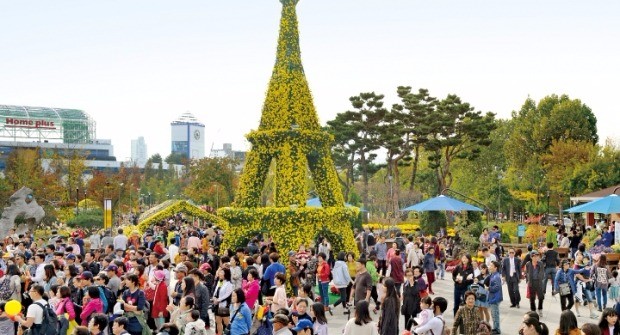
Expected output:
{"points": [[241, 322], [160, 300], [478, 287], [221, 300], [564, 284]]}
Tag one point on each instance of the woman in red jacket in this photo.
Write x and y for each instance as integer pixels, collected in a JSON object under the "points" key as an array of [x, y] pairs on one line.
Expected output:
{"points": [[323, 273], [159, 313]]}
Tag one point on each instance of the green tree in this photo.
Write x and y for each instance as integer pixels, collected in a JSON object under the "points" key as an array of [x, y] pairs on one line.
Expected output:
{"points": [[362, 125], [212, 181], [458, 132]]}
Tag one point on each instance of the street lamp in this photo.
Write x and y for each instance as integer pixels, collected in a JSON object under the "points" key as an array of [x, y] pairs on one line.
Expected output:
{"points": [[77, 201], [547, 213]]}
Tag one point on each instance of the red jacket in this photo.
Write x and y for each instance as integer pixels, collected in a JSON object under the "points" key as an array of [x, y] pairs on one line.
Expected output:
{"points": [[323, 272], [160, 301]]}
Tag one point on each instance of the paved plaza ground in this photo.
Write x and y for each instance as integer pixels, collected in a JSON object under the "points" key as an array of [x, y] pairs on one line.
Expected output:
{"points": [[510, 317]]}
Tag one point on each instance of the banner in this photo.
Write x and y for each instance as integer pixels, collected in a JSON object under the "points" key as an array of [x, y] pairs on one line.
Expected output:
{"points": [[107, 213]]}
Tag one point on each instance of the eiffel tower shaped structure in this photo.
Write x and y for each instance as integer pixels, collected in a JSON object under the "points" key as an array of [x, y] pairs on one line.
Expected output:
{"points": [[289, 135]]}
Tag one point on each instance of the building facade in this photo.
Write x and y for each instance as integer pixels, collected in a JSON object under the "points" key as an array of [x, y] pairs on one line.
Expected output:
{"points": [[139, 153], [187, 137]]}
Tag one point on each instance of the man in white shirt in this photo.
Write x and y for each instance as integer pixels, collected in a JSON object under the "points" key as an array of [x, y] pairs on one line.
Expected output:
{"points": [[39, 276], [34, 315], [437, 324], [488, 256], [173, 250], [120, 240]]}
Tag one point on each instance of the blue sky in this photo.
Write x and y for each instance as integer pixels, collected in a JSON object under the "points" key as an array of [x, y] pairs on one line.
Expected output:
{"points": [[136, 65]]}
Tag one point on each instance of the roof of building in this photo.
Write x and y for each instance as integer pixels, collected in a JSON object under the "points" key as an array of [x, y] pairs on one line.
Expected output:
{"points": [[187, 117], [595, 195], [48, 113]]}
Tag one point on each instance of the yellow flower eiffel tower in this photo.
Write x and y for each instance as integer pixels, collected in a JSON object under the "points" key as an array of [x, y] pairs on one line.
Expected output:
{"points": [[290, 135]]}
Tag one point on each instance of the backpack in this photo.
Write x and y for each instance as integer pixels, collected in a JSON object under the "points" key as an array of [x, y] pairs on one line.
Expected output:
{"points": [[400, 243], [444, 331], [5, 289], [371, 240], [109, 297], [49, 323]]}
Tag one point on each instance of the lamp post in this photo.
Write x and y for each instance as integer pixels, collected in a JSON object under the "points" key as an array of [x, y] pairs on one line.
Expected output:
{"points": [[85, 202], [547, 212], [77, 201]]}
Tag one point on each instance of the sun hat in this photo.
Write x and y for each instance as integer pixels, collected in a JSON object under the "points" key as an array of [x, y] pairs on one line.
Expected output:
{"points": [[159, 275]]}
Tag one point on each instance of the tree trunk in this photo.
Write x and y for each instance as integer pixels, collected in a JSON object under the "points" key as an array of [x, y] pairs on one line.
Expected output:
{"points": [[414, 170]]}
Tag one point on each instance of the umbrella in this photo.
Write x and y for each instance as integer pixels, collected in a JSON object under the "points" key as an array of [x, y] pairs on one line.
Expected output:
{"points": [[442, 203], [607, 205]]}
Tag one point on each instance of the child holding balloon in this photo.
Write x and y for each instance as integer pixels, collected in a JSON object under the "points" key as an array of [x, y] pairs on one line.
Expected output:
{"points": [[7, 325]]}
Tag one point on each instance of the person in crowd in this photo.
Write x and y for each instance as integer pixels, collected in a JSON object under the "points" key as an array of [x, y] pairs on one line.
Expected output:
{"points": [[341, 279], [235, 272], [535, 274], [396, 270], [270, 272], [564, 284], [468, 317], [133, 302], [280, 324], [437, 324], [160, 301], [511, 273], [362, 322], [602, 276], [221, 300], [533, 326], [551, 261], [178, 316], [590, 329], [92, 305], [251, 288], [98, 324], [414, 256], [34, 313], [295, 271], [429, 265], [318, 318], [463, 276], [390, 309], [300, 311], [323, 273], [241, 320], [195, 325], [363, 283], [609, 323], [481, 282], [381, 250], [202, 297], [411, 297], [568, 324], [495, 295], [279, 299]]}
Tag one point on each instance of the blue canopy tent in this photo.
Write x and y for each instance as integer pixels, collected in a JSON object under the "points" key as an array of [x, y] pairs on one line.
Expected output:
{"points": [[606, 205], [442, 203]]}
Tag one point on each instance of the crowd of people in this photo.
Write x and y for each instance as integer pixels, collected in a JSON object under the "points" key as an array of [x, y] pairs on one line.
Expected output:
{"points": [[174, 279]]}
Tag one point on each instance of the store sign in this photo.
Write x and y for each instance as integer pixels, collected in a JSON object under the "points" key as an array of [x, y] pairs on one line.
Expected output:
{"points": [[24, 123]]}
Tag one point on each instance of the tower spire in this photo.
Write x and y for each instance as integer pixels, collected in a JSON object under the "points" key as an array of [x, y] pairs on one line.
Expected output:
{"points": [[288, 102]]}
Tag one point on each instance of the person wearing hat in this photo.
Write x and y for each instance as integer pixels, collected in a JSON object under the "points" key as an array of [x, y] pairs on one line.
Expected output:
{"points": [[304, 327], [159, 313], [535, 274], [181, 272], [280, 325], [114, 283]]}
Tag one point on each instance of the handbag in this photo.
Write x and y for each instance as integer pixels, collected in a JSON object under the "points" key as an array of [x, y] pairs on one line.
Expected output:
{"points": [[564, 289], [149, 293], [228, 326]]}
